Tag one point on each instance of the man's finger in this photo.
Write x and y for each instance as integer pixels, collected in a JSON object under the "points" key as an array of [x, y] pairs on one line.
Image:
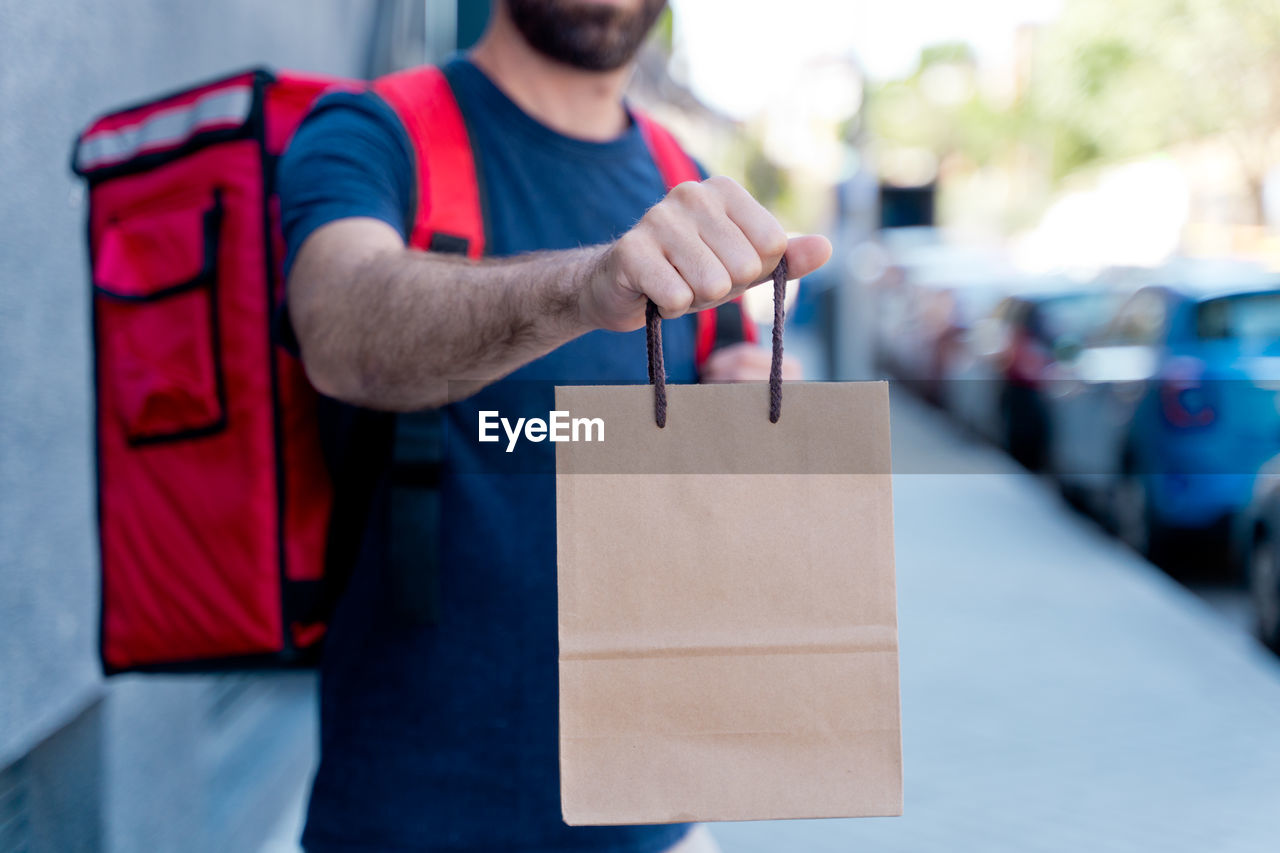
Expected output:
{"points": [[702, 270], [667, 288], [734, 250], [758, 224], [805, 254]]}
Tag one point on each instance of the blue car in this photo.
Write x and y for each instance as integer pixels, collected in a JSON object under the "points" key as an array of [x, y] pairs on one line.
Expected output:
{"points": [[1161, 422]]}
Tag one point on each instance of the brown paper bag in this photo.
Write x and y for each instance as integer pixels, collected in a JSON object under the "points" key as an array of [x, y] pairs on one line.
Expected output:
{"points": [[728, 628]]}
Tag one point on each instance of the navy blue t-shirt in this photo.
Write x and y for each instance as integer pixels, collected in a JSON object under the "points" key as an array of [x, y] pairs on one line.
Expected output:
{"points": [[445, 737]]}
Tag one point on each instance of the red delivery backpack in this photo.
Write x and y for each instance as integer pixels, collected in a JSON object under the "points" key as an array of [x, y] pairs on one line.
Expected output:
{"points": [[218, 514]]}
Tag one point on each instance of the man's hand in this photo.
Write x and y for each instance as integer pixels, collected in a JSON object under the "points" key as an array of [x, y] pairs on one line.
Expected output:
{"points": [[702, 245], [746, 362]]}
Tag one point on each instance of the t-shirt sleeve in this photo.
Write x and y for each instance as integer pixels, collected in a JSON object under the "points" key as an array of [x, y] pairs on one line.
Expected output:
{"points": [[350, 158]]}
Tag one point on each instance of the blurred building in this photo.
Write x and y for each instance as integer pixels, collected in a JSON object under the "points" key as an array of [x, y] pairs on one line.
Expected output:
{"points": [[135, 763], [710, 135]]}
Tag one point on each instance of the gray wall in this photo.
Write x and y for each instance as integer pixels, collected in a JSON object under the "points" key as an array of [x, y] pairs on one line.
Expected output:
{"points": [[162, 745]]}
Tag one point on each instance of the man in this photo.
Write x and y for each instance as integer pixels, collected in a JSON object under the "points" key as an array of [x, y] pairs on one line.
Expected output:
{"points": [[443, 736]]}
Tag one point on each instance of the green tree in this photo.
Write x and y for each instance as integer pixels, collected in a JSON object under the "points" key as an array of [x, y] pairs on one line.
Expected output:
{"points": [[940, 107], [1114, 80]]}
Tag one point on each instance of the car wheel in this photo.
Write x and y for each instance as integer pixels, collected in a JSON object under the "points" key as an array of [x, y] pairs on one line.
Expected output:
{"points": [[1011, 438], [1073, 494], [1129, 512], [1264, 588], [1130, 515], [1022, 426]]}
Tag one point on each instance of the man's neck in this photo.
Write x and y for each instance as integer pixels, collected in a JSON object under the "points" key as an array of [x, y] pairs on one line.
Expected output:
{"points": [[582, 104]]}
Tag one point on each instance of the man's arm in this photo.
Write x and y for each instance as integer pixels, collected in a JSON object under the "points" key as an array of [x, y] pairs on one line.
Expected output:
{"points": [[387, 327]]}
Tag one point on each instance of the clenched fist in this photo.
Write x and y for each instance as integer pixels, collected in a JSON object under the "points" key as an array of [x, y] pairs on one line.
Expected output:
{"points": [[702, 245]]}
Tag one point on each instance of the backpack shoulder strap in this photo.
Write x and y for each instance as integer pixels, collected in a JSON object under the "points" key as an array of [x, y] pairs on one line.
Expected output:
{"points": [[673, 163], [728, 323], [448, 216]]}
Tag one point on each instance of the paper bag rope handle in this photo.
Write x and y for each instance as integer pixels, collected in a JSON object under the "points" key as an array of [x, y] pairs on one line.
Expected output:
{"points": [[658, 372]]}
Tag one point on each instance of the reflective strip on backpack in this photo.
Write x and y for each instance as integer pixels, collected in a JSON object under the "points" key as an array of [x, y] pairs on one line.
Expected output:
{"points": [[165, 129]]}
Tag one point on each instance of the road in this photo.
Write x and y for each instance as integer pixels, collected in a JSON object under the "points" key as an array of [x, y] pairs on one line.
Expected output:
{"points": [[1059, 693]]}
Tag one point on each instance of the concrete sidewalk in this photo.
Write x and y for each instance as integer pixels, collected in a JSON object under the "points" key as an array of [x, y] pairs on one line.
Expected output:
{"points": [[1058, 692]]}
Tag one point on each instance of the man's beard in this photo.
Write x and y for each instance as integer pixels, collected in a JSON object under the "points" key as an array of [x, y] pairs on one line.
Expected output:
{"points": [[584, 35]]}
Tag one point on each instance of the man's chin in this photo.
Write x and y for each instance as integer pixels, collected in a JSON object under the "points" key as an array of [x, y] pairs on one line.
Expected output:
{"points": [[591, 35]]}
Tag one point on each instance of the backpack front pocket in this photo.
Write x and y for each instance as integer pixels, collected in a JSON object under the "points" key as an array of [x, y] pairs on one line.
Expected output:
{"points": [[155, 294]]}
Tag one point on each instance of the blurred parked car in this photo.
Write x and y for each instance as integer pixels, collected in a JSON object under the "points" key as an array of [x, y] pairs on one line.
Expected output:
{"points": [[1161, 421], [997, 380], [927, 297], [954, 313], [1262, 552]]}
